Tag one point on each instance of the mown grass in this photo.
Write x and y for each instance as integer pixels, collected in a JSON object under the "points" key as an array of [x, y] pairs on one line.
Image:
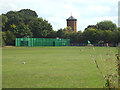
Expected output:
{"points": [[56, 67]]}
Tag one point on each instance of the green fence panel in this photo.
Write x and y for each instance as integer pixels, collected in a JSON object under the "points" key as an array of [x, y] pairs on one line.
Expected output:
{"points": [[16, 42], [41, 42], [19, 40]]}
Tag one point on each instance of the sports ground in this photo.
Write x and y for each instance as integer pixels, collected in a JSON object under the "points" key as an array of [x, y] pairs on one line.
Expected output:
{"points": [[56, 67]]}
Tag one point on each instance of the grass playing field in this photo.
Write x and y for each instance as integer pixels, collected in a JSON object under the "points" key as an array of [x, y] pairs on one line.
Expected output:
{"points": [[56, 67]]}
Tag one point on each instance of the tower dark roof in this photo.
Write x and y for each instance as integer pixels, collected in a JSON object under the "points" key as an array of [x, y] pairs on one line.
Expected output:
{"points": [[71, 18]]}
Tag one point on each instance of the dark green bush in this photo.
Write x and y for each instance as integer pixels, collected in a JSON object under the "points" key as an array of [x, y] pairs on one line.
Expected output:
{"points": [[3, 43]]}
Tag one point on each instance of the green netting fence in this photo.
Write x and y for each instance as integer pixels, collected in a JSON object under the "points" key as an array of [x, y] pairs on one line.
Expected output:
{"points": [[41, 42]]}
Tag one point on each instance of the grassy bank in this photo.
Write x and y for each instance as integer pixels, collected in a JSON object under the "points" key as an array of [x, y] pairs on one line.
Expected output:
{"points": [[56, 67]]}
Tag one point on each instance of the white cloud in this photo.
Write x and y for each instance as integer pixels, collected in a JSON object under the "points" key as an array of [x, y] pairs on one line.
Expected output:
{"points": [[61, 23], [95, 1], [99, 8], [114, 19], [69, 8], [105, 18]]}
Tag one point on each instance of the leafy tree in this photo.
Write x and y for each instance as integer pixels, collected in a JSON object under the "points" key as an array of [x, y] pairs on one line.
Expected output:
{"points": [[35, 27], [115, 37], [44, 33], [118, 28], [74, 37], [118, 34], [22, 30], [25, 23], [64, 33], [106, 25], [4, 20], [60, 33], [3, 43], [80, 37], [4, 37], [52, 34], [28, 15], [14, 17], [28, 12], [10, 38], [40, 28], [91, 26], [107, 36], [46, 26], [91, 34], [67, 31]]}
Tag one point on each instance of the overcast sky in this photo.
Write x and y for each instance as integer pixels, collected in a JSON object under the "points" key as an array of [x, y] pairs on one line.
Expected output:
{"points": [[87, 12]]}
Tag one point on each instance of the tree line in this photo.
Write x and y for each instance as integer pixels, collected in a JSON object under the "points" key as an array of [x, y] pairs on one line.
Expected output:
{"points": [[26, 23]]}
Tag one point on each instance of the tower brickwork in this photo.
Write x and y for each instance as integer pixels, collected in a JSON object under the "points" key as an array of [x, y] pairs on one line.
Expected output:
{"points": [[72, 22]]}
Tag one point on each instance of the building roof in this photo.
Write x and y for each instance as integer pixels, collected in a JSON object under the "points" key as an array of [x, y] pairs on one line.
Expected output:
{"points": [[71, 18]]}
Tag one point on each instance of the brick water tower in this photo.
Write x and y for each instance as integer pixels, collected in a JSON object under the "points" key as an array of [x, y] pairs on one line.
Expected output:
{"points": [[72, 22]]}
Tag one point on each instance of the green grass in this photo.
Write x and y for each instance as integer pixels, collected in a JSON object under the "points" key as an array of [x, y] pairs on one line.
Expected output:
{"points": [[56, 67]]}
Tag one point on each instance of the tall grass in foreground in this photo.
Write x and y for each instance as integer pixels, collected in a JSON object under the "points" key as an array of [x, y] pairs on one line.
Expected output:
{"points": [[111, 77]]}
